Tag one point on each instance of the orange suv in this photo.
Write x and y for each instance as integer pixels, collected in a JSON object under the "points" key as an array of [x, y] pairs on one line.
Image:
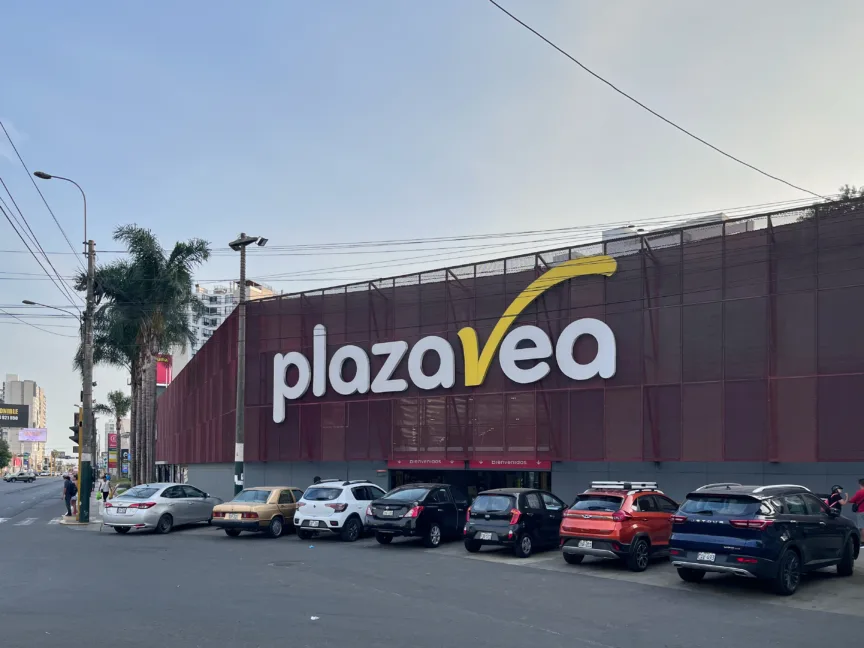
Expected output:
{"points": [[627, 520]]}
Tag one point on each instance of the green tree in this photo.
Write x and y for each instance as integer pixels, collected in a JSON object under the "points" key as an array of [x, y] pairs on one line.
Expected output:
{"points": [[5, 455], [118, 406], [144, 305], [848, 192]]}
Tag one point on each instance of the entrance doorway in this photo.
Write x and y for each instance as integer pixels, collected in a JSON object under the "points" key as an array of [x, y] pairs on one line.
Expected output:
{"points": [[474, 481]]}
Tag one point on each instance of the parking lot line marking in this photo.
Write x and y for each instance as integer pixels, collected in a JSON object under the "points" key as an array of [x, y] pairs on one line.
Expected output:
{"points": [[26, 522]]}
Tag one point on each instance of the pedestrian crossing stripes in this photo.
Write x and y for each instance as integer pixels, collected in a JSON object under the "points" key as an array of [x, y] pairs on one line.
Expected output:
{"points": [[2, 520], [26, 522]]}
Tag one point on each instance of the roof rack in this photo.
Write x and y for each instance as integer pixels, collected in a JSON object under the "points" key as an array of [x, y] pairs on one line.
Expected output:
{"points": [[719, 485], [625, 485], [764, 488], [355, 481], [326, 481]]}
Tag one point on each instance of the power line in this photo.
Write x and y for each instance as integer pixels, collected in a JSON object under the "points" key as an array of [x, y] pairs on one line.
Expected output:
{"points": [[35, 240], [653, 112], [74, 305], [44, 330], [36, 186]]}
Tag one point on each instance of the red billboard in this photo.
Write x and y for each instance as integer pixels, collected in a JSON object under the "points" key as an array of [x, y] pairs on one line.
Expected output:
{"points": [[112, 440], [163, 369]]}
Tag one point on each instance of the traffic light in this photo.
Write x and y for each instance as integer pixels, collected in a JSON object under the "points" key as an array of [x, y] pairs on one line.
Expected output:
{"points": [[78, 426]]}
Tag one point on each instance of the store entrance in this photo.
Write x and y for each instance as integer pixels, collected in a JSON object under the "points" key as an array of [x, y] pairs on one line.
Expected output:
{"points": [[474, 481]]}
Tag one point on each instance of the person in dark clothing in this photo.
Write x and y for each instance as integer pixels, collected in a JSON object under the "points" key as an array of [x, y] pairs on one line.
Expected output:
{"points": [[837, 498], [70, 490], [316, 480]]}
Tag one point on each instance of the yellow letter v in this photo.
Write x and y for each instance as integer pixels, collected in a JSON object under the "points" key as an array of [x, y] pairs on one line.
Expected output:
{"points": [[477, 365]]}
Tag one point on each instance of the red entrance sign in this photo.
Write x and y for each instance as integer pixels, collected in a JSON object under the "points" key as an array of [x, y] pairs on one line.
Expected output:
{"points": [[509, 464], [450, 464]]}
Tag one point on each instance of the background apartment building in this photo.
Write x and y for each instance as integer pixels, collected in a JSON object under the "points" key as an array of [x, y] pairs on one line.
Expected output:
{"points": [[218, 303], [25, 392]]}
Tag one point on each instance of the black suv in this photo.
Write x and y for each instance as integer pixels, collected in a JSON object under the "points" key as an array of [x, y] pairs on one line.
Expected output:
{"points": [[774, 533], [429, 511], [521, 518]]}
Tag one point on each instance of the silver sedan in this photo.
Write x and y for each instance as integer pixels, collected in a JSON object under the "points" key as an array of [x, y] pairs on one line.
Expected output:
{"points": [[160, 507]]}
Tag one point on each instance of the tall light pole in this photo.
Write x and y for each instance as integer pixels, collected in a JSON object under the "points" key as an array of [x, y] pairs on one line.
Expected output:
{"points": [[85, 477], [240, 245]]}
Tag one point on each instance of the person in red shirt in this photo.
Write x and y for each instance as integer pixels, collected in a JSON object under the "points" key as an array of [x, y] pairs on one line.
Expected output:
{"points": [[857, 502]]}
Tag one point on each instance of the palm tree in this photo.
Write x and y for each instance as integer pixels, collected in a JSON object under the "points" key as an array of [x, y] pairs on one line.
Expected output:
{"points": [[144, 306], [118, 406]]}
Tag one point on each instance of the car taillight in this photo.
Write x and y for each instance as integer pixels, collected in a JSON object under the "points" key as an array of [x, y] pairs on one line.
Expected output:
{"points": [[747, 561], [679, 519], [569, 513], [676, 552], [759, 525], [250, 516], [337, 507], [108, 505], [468, 514], [142, 505], [414, 512], [369, 511], [218, 514], [621, 516], [515, 514]]}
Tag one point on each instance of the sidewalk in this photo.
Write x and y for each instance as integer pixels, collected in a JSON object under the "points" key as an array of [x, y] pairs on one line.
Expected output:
{"points": [[95, 514]]}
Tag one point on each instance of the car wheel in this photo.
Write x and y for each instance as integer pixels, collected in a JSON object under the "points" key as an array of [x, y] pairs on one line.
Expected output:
{"points": [[121, 530], [523, 546], [432, 539], [384, 538], [304, 535], [472, 546], [351, 530], [573, 559], [846, 566], [691, 575], [233, 533], [788, 573], [637, 559], [165, 524], [275, 528]]}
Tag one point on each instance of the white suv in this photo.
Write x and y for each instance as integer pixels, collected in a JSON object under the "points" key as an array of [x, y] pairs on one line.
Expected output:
{"points": [[335, 506]]}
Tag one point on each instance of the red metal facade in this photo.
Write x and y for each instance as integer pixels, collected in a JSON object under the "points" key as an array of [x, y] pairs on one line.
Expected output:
{"points": [[735, 342]]}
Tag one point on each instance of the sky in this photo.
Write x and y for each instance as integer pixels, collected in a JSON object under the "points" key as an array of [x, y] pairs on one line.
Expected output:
{"points": [[344, 121]]}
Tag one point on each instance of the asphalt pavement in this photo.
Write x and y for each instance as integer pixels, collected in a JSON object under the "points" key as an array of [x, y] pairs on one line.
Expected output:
{"points": [[198, 587]]}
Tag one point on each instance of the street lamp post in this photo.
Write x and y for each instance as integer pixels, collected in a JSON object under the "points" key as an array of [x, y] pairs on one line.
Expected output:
{"points": [[88, 433], [240, 245]]}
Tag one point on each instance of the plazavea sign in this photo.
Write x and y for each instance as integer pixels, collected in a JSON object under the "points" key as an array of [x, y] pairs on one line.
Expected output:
{"points": [[515, 348]]}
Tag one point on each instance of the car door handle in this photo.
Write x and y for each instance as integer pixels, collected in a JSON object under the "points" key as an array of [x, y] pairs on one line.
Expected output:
{"points": [[821, 524]]}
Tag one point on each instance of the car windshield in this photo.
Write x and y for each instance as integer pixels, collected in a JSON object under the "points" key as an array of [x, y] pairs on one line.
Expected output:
{"points": [[493, 503], [407, 494], [322, 494], [592, 502], [252, 496], [140, 492], [720, 505]]}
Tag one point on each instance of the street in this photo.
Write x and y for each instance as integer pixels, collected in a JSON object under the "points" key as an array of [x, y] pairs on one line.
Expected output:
{"points": [[197, 587]]}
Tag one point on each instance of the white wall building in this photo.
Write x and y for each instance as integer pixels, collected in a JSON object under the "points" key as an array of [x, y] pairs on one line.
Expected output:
{"points": [[218, 303], [26, 392]]}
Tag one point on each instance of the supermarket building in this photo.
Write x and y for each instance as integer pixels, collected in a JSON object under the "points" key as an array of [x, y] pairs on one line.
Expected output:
{"points": [[721, 351]]}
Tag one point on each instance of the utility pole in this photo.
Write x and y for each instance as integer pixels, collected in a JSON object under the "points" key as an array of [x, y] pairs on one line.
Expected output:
{"points": [[240, 245], [86, 454]]}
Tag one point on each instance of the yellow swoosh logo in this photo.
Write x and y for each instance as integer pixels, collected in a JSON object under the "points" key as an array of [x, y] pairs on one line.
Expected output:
{"points": [[477, 364]]}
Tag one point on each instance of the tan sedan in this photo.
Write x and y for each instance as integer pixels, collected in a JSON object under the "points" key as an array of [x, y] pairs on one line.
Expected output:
{"points": [[260, 509]]}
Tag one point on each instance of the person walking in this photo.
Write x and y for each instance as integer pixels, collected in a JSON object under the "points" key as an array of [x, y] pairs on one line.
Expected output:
{"points": [[105, 488], [837, 498], [69, 492], [857, 502]]}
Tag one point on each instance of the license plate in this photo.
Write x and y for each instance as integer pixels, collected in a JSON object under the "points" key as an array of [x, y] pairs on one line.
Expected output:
{"points": [[313, 523], [485, 536], [387, 513], [707, 557], [121, 511], [234, 516], [585, 544]]}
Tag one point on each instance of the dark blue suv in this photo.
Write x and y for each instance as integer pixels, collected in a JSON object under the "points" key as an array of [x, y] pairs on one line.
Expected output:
{"points": [[774, 533]]}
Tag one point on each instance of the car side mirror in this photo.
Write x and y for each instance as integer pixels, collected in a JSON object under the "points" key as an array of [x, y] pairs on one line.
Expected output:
{"points": [[833, 512]]}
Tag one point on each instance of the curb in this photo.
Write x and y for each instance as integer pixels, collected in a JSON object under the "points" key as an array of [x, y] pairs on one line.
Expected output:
{"points": [[74, 522]]}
